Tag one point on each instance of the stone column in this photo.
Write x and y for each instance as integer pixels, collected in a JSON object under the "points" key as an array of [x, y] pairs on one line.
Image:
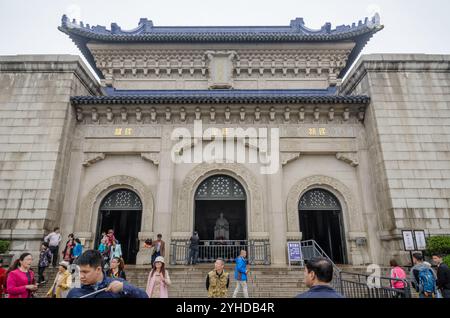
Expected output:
{"points": [[277, 216], [69, 211], [164, 196], [371, 251]]}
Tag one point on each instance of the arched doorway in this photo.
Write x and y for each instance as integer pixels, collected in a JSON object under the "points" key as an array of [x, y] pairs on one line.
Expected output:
{"points": [[220, 214], [121, 210], [220, 194], [320, 216]]}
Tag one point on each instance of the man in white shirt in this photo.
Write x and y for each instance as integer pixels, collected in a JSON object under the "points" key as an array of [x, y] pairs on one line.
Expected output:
{"points": [[53, 240]]}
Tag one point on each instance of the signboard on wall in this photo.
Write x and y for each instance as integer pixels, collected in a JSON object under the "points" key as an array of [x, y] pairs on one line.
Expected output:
{"points": [[421, 243], [414, 240], [295, 252], [408, 240]]}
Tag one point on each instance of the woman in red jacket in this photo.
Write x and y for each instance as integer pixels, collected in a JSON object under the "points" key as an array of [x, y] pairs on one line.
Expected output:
{"points": [[20, 282], [2, 278]]}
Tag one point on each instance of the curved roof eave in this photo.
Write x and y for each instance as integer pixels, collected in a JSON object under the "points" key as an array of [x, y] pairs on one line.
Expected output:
{"points": [[147, 33], [223, 97]]}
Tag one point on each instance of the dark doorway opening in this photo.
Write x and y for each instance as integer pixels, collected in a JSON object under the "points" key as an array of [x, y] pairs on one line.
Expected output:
{"points": [[320, 217], [121, 211], [208, 212], [220, 218]]}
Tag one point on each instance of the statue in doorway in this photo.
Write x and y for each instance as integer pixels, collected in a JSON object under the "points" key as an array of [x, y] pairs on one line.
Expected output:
{"points": [[222, 229]]}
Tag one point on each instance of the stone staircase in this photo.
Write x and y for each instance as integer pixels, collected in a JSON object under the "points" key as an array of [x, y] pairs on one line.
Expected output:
{"points": [[189, 281]]}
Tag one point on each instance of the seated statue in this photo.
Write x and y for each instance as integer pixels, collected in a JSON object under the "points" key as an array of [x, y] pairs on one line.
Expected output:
{"points": [[222, 229]]}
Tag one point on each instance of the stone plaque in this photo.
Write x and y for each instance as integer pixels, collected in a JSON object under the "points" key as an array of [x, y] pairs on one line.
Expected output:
{"points": [[220, 69]]}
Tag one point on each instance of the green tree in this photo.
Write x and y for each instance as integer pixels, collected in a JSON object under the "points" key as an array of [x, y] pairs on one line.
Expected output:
{"points": [[4, 246], [438, 245]]}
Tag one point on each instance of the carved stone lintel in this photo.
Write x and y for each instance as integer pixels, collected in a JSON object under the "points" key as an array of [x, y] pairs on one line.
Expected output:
{"points": [[227, 114], [287, 113], [168, 114], [331, 114], [152, 157], [94, 115], [259, 236], [257, 114], [316, 114], [242, 114], [138, 115], [198, 114], [294, 236], [349, 157], [153, 114], [361, 114], [286, 157], [91, 158], [109, 115], [79, 114], [212, 115], [301, 115], [180, 236], [182, 114], [346, 114], [124, 115], [272, 114]]}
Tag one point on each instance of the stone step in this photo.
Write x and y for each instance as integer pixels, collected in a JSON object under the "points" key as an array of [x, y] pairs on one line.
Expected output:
{"points": [[189, 282]]}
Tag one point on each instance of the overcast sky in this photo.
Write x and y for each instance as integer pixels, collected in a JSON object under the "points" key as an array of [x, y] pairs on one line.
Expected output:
{"points": [[411, 26]]}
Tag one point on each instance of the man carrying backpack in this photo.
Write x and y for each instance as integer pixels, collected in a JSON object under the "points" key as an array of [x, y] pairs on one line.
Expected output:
{"points": [[422, 277]]}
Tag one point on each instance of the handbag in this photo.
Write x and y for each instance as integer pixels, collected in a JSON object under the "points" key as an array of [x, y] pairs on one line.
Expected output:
{"points": [[30, 282]]}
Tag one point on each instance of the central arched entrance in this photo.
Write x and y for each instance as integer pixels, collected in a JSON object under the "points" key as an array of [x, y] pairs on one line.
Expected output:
{"points": [[320, 216], [220, 214], [121, 211]]}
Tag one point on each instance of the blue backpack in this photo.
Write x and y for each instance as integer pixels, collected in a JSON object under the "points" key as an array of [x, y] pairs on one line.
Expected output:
{"points": [[427, 282]]}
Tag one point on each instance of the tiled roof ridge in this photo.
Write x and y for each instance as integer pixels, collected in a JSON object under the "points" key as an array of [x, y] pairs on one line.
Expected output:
{"points": [[220, 97], [146, 31]]}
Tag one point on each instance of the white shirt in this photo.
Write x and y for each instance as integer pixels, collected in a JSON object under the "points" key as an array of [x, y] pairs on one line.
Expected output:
{"points": [[53, 239]]}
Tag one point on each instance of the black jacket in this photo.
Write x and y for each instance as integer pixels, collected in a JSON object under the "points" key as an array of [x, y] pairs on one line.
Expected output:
{"points": [[194, 242], [129, 291], [443, 277], [320, 291]]}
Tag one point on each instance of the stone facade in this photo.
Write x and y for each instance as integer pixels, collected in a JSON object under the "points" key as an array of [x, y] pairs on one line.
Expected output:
{"points": [[386, 162], [407, 126], [36, 125], [182, 67]]}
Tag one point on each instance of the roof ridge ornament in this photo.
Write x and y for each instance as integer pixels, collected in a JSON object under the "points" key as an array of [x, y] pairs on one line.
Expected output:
{"points": [[146, 25], [375, 21], [64, 20], [297, 25], [115, 28], [146, 32]]}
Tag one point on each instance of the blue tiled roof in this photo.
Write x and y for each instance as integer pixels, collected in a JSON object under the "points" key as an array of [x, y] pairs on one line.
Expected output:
{"points": [[221, 97], [146, 32]]}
